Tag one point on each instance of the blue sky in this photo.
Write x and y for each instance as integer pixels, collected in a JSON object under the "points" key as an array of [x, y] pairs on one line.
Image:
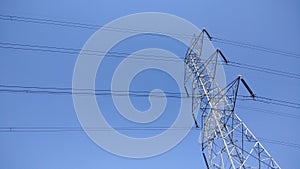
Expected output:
{"points": [[271, 24]]}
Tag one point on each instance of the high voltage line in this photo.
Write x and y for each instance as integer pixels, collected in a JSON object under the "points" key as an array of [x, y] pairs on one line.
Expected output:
{"points": [[63, 50], [63, 129], [108, 92], [52, 129], [78, 25], [116, 54], [95, 26], [255, 47], [272, 112], [68, 91]]}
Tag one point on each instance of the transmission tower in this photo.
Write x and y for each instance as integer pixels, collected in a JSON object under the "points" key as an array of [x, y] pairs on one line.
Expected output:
{"points": [[226, 141]]}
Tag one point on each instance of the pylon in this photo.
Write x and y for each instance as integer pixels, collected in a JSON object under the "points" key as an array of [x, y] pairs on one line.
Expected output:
{"points": [[226, 141]]}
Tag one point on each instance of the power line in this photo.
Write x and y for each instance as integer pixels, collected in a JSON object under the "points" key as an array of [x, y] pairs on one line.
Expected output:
{"points": [[272, 112], [75, 50], [94, 27], [278, 142], [267, 100], [84, 90], [81, 25], [116, 54], [105, 129], [276, 100], [63, 50], [75, 129], [70, 91], [264, 69], [108, 92], [111, 93], [255, 47]]}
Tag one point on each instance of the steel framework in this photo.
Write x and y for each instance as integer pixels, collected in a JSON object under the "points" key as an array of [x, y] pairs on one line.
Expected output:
{"points": [[226, 141]]}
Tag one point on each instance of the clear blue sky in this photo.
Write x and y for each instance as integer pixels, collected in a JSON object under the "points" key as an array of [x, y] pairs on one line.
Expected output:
{"points": [[271, 24]]}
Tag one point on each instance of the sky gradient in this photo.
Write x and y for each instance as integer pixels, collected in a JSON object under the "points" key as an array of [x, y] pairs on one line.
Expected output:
{"points": [[269, 24]]}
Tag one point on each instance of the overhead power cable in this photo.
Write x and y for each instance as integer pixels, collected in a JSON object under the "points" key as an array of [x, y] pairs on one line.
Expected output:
{"points": [[63, 50], [116, 54], [103, 129], [81, 25], [268, 111], [278, 142], [105, 92], [255, 47], [264, 70], [267, 100], [71, 129], [97, 92], [95, 27]]}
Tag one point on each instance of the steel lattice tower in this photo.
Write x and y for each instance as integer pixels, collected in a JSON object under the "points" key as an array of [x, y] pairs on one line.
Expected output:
{"points": [[226, 141]]}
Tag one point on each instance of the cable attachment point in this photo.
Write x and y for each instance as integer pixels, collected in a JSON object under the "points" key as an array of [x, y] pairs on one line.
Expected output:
{"points": [[208, 35], [222, 55], [247, 87]]}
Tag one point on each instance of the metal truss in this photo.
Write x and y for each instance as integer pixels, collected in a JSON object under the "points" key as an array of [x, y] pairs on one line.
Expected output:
{"points": [[226, 141]]}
